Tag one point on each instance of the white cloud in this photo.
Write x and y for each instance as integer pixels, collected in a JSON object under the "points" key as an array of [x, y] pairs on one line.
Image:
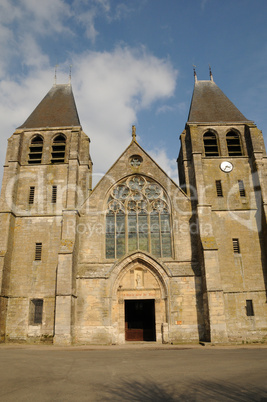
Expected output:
{"points": [[33, 56], [87, 20], [168, 165], [110, 89], [22, 24], [105, 4], [9, 11], [86, 12], [8, 49], [43, 17]]}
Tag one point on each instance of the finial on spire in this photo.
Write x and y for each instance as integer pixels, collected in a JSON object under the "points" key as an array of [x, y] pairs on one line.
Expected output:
{"points": [[70, 74], [55, 79], [211, 76], [134, 133], [195, 74]]}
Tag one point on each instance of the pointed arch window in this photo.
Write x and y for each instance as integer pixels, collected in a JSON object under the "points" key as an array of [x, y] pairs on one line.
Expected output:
{"points": [[36, 150], [233, 144], [138, 218], [58, 149], [210, 144]]}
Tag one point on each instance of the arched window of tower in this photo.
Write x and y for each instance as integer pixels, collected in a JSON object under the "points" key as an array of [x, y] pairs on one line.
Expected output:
{"points": [[36, 150], [58, 149], [233, 143], [210, 144]]}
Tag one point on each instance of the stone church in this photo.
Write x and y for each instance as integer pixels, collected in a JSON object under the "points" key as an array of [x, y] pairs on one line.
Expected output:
{"points": [[136, 258]]}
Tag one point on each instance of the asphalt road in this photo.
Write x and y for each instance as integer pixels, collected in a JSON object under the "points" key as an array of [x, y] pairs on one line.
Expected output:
{"points": [[135, 374]]}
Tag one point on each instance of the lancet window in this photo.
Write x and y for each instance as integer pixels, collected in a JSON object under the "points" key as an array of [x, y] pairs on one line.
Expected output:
{"points": [[233, 144], [210, 144], [58, 149], [138, 218], [36, 150]]}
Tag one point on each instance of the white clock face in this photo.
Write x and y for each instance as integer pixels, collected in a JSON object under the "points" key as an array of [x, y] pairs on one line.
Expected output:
{"points": [[226, 166]]}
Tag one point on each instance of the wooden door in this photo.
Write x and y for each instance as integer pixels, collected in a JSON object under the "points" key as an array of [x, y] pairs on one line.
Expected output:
{"points": [[140, 320]]}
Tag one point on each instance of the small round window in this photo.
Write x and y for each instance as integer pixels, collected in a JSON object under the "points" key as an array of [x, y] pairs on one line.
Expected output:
{"points": [[136, 160]]}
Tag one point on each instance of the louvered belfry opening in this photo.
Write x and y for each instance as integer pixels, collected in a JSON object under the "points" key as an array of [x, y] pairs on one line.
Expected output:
{"points": [[58, 149], [36, 150], [233, 144], [210, 144]]}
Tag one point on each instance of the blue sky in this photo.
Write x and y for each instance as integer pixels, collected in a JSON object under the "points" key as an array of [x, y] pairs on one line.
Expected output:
{"points": [[131, 64]]}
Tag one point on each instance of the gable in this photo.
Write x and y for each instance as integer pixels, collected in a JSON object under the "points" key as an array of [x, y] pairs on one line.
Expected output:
{"points": [[133, 162]]}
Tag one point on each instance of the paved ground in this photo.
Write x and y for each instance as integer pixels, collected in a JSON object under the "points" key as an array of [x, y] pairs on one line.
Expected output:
{"points": [[135, 373]]}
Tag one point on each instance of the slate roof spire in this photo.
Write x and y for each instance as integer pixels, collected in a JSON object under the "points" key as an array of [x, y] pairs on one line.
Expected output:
{"points": [[210, 105], [57, 109]]}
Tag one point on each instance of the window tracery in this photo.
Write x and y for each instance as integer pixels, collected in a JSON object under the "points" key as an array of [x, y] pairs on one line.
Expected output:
{"points": [[136, 161], [138, 218]]}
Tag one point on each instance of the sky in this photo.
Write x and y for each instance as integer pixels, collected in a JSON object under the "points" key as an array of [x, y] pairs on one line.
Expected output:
{"points": [[131, 64]]}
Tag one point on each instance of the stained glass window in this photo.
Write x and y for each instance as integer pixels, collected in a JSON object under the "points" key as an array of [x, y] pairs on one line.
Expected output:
{"points": [[132, 231], [120, 233], [143, 231], [165, 234], [110, 235], [155, 233], [138, 218]]}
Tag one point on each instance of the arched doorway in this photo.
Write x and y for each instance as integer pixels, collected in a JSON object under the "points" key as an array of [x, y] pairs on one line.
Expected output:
{"points": [[139, 301]]}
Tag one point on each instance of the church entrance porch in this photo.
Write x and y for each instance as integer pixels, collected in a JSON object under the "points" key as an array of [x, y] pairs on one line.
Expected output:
{"points": [[139, 300], [140, 320]]}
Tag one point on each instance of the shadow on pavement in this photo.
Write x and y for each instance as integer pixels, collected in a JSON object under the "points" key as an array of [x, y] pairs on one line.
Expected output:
{"points": [[201, 391]]}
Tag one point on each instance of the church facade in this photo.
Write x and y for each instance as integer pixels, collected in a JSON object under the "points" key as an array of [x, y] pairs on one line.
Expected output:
{"points": [[137, 258]]}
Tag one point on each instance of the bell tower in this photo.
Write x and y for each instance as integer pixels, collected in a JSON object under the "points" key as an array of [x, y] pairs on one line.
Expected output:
{"points": [[222, 165], [47, 175]]}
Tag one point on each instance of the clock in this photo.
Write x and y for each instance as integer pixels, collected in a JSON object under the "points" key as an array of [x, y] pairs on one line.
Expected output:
{"points": [[226, 167]]}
